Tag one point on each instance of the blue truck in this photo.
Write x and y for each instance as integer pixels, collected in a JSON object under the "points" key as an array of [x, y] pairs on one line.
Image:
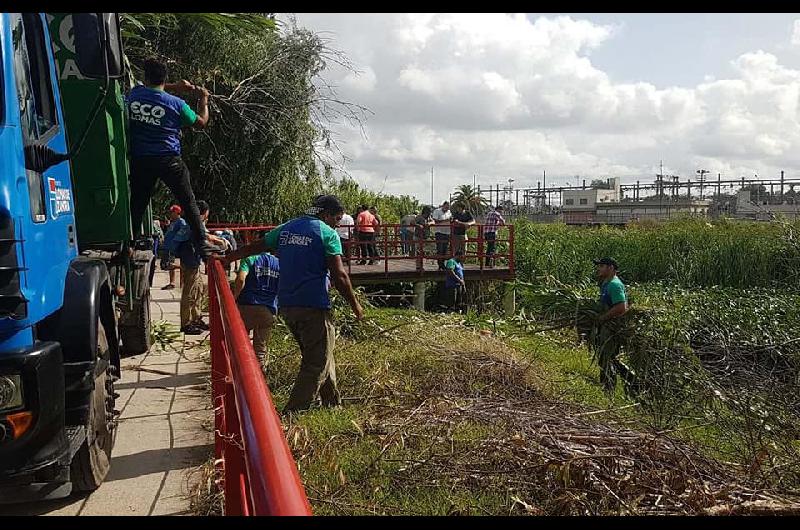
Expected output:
{"points": [[74, 272]]}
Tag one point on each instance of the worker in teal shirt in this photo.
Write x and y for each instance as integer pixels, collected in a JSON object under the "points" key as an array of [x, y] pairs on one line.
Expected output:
{"points": [[454, 282], [256, 293], [607, 343], [310, 254]]}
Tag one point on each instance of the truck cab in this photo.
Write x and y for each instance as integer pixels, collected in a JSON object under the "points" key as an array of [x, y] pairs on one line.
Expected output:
{"points": [[74, 278]]}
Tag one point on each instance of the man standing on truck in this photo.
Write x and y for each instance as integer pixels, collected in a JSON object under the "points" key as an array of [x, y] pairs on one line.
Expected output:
{"points": [[309, 248], [156, 118]]}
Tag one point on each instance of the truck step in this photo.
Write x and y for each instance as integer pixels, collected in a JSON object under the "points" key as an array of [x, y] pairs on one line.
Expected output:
{"points": [[75, 436]]}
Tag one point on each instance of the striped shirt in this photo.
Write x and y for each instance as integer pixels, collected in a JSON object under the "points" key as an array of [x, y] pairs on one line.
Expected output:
{"points": [[493, 220]]}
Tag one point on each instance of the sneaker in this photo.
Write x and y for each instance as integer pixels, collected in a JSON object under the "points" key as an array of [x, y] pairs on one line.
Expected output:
{"points": [[200, 324], [168, 287], [191, 329]]}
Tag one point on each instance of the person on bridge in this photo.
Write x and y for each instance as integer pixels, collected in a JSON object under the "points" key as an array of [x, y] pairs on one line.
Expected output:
{"points": [[378, 233], [422, 232], [256, 293], [345, 231], [407, 232], [442, 217], [462, 220], [156, 118], [493, 220], [310, 253], [365, 228]]}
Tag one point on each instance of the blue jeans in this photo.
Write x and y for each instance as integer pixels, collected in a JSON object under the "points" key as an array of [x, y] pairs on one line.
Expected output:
{"points": [[405, 238], [442, 247]]}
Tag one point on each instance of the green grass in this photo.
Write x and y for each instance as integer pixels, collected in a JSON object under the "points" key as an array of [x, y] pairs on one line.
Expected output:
{"points": [[686, 252], [408, 439]]}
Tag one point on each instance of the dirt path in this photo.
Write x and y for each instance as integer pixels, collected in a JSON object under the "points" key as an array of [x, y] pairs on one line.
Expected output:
{"points": [[164, 429]]}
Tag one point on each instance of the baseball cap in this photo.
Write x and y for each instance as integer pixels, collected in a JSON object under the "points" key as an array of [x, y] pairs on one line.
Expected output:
{"points": [[327, 203], [175, 208], [606, 261]]}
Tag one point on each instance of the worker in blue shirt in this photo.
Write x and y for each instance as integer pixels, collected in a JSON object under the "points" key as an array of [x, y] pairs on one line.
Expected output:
{"points": [[155, 119], [310, 253], [256, 293]]}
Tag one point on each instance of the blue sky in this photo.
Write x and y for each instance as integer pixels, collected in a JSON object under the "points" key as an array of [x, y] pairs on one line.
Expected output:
{"points": [[506, 95], [669, 49]]}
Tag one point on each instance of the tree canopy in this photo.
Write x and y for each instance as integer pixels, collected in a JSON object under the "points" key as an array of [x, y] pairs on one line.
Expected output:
{"points": [[268, 149]]}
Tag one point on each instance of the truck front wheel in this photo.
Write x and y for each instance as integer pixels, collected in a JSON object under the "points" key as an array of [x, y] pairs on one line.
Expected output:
{"points": [[91, 463]]}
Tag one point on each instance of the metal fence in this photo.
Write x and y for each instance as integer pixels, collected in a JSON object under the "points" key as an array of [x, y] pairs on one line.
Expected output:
{"points": [[260, 475]]}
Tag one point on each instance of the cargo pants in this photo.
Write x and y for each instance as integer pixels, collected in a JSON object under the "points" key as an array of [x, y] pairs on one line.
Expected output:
{"points": [[314, 332]]}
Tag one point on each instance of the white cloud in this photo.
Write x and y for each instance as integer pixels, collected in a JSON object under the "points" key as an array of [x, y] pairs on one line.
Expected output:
{"points": [[503, 95]]}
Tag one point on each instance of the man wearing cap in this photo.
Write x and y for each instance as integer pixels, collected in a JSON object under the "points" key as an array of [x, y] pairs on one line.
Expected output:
{"points": [[310, 253], [615, 302], [454, 282], [193, 285]]}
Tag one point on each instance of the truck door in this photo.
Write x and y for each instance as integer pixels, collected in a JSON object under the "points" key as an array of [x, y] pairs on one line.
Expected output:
{"points": [[48, 227]]}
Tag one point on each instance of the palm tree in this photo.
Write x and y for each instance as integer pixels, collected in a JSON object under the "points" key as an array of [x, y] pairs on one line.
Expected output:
{"points": [[474, 202]]}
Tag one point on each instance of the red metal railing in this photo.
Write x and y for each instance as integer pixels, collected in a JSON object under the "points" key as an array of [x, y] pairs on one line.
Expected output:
{"points": [[394, 247], [259, 473]]}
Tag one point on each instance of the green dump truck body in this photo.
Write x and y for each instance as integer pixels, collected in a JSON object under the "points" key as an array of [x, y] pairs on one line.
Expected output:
{"points": [[102, 197]]}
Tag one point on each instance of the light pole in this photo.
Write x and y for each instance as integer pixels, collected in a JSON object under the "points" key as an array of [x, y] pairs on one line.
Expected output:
{"points": [[509, 188], [702, 173]]}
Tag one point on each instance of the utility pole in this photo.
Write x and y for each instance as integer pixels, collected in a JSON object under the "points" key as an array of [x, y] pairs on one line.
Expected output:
{"points": [[432, 203]]}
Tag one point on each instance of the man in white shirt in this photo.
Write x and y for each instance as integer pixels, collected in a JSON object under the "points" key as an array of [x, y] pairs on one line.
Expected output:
{"points": [[345, 233], [442, 216]]}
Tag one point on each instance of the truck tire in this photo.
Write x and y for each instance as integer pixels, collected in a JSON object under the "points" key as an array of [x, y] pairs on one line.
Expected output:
{"points": [[91, 463], [136, 339]]}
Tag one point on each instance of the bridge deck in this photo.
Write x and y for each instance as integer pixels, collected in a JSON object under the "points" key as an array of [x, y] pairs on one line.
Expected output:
{"points": [[405, 270]]}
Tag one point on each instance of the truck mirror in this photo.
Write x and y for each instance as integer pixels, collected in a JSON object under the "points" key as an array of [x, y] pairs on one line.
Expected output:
{"points": [[92, 30], [39, 157]]}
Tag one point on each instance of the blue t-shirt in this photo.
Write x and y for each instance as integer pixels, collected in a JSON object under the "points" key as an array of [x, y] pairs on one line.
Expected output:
{"points": [[177, 233], [188, 255], [303, 246], [452, 264], [155, 120], [261, 284]]}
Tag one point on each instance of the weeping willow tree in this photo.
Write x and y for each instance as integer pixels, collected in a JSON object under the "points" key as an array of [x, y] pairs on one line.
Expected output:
{"points": [[268, 148]]}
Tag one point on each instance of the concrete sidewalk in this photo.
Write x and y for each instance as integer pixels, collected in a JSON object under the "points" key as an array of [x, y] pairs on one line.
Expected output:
{"points": [[165, 428]]}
